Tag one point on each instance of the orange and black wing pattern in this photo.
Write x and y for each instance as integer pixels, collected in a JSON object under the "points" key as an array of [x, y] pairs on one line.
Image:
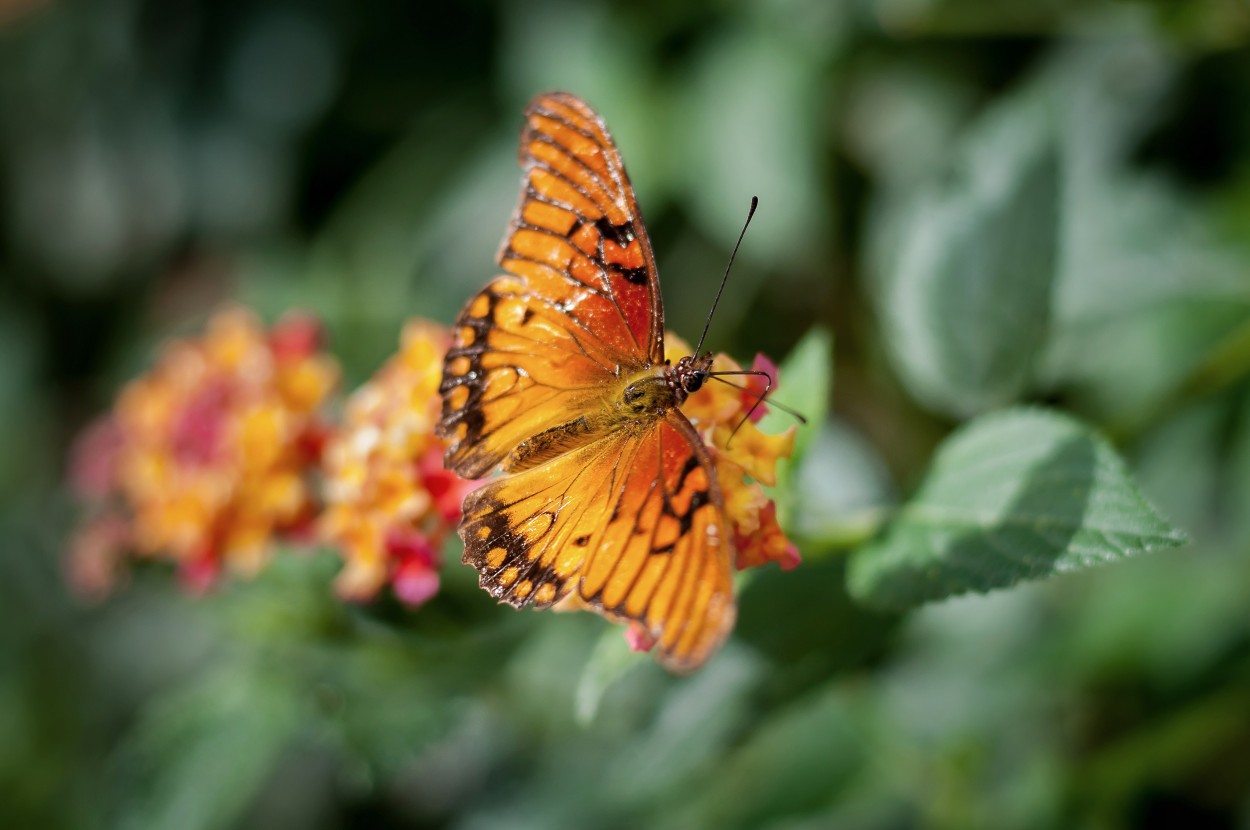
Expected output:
{"points": [[517, 366], [582, 303], [618, 514], [630, 525], [577, 233]]}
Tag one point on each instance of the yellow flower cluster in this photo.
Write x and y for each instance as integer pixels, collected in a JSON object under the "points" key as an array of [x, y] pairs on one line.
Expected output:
{"points": [[389, 502], [205, 458]]}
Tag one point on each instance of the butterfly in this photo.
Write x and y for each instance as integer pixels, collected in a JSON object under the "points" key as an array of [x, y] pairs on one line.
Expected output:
{"points": [[557, 377]]}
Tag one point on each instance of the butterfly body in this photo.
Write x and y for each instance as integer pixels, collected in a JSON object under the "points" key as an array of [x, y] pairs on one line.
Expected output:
{"points": [[557, 377], [639, 400]]}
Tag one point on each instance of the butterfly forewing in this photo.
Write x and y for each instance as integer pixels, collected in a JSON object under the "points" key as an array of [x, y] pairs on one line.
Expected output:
{"points": [[663, 559], [578, 223], [534, 351]]}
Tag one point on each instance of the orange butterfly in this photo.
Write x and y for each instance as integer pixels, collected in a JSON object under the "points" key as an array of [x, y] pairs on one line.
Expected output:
{"points": [[557, 376]]}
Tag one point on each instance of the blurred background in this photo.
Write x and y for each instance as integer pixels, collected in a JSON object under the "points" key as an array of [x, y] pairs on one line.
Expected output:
{"points": [[359, 160]]}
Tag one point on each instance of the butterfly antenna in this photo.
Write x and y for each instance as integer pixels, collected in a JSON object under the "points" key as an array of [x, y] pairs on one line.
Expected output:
{"points": [[759, 399], [754, 203]]}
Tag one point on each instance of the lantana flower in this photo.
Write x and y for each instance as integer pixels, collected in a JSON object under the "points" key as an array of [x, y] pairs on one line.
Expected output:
{"points": [[205, 459], [390, 504], [719, 412]]}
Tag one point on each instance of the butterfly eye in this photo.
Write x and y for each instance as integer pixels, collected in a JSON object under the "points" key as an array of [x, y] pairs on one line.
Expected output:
{"points": [[694, 382]]}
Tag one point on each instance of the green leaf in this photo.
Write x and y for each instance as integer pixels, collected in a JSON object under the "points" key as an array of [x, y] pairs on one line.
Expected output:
{"points": [[1016, 495], [965, 266], [777, 125], [1151, 290], [806, 377], [692, 729], [807, 626], [1150, 283]]}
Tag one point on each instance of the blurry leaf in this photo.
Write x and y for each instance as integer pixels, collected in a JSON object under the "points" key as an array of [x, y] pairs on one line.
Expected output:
{"points": [[807, 378], [935, 684], [690, 732], [842, 489], [796, 761], [966, 711], [903, 117], [611, 660], [965, 267], [1129, 368], [1147, 291], [804, 623], [542, 673], [200, 756], [1195, 467], [1188, 463], [1015, 495], [1111, 625], [749, 121], [1109, 92], [1147, 297]]}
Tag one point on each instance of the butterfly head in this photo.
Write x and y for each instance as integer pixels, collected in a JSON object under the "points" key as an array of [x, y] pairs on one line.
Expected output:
{"points": [[690, 373]]}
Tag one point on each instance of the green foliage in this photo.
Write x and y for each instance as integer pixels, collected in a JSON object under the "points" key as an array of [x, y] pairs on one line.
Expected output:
{"points": [[1015, 495], [1024, 226], [175, 777], [965, 296], [807, 373]]}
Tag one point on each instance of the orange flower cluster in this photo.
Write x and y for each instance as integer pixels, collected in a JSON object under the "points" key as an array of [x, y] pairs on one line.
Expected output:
{"points": [[205, 459], [720, 411], [389, 502]]}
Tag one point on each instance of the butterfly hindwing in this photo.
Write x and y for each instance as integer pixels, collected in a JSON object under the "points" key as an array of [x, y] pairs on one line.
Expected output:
{"points": [[527, 533], [663, 559], [630, 523]]}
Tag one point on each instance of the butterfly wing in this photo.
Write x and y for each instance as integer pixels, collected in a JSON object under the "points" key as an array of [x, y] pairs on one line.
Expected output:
{"points": [[535, 350], [627, 517], [630, 523], [578, 228], [517, 367]]}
